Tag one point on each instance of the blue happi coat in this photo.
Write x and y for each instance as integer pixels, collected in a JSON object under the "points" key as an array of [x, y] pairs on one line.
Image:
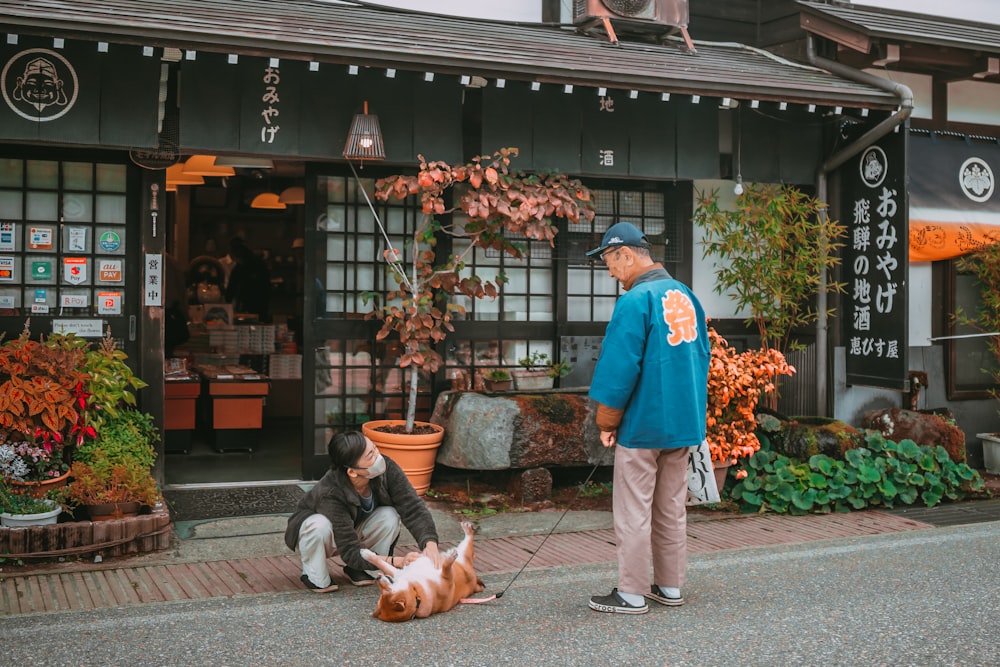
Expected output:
{"points": [[654, 364]]}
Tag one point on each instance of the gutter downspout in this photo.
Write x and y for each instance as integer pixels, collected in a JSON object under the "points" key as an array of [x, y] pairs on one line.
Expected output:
{"points": [[905, 96]]}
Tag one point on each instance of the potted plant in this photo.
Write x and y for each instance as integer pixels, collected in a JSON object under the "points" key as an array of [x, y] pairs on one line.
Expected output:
{"points": [[31, 469], [111, 490], [736, 383], [985, 266], [109, 386], [19, 510], [772, 254], [558, 369], [497, 379], [114, 468], [42, 401], [534, 372], [491, 203], [20, 504]]}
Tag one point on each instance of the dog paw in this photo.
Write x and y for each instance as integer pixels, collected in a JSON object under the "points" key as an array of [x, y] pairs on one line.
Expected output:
{"points": [[369, 555], [468, 527]]}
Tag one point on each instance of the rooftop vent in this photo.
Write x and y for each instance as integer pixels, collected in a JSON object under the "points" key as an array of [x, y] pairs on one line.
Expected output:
{"points": [[634, 16]]}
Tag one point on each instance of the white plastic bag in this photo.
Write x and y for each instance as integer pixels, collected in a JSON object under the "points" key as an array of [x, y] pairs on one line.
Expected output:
{"points": [[701, 476]]}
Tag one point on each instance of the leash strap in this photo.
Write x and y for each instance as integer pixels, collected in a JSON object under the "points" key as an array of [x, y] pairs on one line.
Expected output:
{"points": [[478, 600], [552, 530]]}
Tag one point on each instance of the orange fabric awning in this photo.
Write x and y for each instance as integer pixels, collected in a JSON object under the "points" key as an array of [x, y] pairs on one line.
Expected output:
{"points": [[954, 203]]}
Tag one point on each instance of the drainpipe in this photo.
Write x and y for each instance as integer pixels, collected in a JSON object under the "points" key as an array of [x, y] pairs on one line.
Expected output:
{"points": [[905, 96]]}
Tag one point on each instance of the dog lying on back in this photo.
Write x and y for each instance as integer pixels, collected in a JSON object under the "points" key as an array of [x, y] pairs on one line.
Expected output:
{"points": [[419, 589]]}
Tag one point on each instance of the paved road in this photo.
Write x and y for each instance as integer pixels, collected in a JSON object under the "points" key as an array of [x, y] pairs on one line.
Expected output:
{"points": [[924, 598]]}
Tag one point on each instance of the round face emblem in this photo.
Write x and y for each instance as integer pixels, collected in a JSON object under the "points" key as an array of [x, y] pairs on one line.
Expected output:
{"points": [[39, 85], [976, 179], [874, 166]]}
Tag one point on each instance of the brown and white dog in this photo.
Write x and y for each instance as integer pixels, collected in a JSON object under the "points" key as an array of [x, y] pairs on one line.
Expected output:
{"points": [[419, 589]]}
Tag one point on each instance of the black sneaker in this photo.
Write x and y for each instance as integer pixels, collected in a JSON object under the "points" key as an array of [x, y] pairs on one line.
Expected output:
{"points": [[656, 594], [615, 604], [358, 577], [318, 589]]}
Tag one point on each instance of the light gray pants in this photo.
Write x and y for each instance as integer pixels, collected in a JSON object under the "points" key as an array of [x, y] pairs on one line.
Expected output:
{"points": [[650, 515], [315, 545]]}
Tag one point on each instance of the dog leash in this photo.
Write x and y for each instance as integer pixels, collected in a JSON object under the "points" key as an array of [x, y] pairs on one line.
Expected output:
{"points": [[533, 553]]}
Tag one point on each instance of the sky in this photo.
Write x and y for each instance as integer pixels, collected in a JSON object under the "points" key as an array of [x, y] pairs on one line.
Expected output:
{"points": [[986, 11]]}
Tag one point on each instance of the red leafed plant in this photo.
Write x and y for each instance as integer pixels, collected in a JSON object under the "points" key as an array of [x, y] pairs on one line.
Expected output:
{"points": [[492, 202], [40, 381], [736, 382]]}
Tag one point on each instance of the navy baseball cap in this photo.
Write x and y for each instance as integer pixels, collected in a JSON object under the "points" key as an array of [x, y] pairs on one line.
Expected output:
{"points": [[622, 233]]}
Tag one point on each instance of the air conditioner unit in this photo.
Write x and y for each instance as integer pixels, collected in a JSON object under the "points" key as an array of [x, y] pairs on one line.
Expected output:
{"points": [[643, 16]]}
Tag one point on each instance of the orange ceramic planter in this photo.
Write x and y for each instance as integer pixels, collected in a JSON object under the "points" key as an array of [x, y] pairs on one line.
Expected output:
{"points": [[415, 454], [39, 489]]}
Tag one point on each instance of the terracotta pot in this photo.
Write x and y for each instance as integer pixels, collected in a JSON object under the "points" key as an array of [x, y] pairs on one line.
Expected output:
{"points": [[108, 511], [496, 385], [415, 454], [39, 489], [720, 470]]}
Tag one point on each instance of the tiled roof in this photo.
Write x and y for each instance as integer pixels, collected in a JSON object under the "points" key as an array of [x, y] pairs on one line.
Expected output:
{"points": [[910, 27], [345, 33]]}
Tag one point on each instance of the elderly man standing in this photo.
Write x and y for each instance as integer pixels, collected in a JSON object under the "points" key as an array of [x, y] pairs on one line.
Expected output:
{"points": [[651, 384]]}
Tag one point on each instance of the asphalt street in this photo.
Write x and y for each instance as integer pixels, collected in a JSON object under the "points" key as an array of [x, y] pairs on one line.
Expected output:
{"points": [[923, 598]]}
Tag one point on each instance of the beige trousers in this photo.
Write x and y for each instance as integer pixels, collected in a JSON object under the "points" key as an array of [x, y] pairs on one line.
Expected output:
{"points": [[650, 515], [315, 545]]}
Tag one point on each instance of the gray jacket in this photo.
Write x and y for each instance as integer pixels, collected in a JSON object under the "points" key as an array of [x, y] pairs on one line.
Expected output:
{"points": [[336, 498]]}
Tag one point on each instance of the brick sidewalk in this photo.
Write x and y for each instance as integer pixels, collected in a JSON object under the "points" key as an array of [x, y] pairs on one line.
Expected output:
{"points": [[113, 584]]}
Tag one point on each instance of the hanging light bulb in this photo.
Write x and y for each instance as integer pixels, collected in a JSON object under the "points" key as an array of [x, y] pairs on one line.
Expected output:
{"points": [[738, 190]]}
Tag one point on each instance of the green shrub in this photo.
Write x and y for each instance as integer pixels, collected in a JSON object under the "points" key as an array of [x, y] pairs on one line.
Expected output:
{"points": [[883, 473], [125, 437]]}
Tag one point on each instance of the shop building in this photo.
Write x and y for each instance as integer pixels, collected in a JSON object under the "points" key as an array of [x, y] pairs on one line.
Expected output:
{"points": [[98, 105]]}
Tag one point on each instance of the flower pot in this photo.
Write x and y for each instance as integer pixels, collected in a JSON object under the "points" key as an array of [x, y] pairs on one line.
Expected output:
{"points": [[991, 452], [415, 454], [497, 385], [25, 520], [720, 470], [526, 380], [40, 488], [108, 511]]}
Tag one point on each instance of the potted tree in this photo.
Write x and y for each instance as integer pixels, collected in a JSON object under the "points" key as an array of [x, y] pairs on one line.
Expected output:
{"points": [[772, 253], [492, 202], [985, 266]]}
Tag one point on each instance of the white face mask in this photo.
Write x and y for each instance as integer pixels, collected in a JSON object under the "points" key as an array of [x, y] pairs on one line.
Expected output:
{"points": [[375, 469]]}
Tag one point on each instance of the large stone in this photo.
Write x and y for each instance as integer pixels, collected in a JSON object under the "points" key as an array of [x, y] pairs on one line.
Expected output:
{"points": [[923, 428], [803, 437], [518, 431], [532, 485]]}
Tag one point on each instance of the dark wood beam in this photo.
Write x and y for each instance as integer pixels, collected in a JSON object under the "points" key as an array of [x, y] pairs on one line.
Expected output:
{"points": [[835, 32]]}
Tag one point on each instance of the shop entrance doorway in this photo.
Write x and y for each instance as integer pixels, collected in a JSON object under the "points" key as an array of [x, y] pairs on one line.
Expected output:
{"points": [[233, 375]]}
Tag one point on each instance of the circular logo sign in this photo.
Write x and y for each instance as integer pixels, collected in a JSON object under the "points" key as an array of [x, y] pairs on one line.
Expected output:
{"points": [[39, 85], [110, 241], [874, 166], [976, 179]]}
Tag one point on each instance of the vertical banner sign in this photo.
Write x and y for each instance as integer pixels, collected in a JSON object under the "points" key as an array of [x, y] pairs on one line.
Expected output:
{"points": [[152, 292], [874, 316]]}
